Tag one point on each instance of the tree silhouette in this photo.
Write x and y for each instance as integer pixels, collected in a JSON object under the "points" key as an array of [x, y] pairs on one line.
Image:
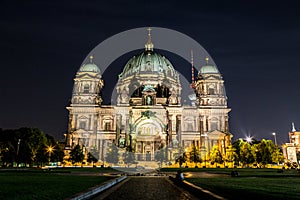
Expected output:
{"points": [[230, 155], [161, 156], [91, 158], [216, 155], [76, 155], [195, 155], [112, 155], [181, 159]]}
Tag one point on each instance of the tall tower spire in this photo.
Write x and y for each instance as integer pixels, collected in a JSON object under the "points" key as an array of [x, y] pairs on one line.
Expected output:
{"points": [[193, 69], [293, 127], [192, 62], [149, 45]]}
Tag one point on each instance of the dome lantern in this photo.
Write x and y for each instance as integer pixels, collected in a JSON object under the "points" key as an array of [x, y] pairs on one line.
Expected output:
{"points": [[149, 45]]}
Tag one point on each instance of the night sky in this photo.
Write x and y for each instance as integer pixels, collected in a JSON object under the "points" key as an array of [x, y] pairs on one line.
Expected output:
{"points": [[255, 45]]}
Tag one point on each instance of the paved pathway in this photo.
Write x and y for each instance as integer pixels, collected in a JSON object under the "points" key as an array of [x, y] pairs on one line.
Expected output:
{"points": [[145, 188]]}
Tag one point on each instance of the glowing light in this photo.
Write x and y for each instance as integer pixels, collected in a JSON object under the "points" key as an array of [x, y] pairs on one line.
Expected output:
{"points": [[50, 149], [249, 139]]}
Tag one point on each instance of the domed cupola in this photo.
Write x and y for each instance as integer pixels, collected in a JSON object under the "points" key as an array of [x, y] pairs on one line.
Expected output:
{"points": [[149, 62], [209, 86], [148, 68], [87, 85], [208, 68], [90, 67]]}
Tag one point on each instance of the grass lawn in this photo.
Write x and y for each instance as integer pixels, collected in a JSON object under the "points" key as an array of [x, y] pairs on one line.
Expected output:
{"points": [[253, 183], [44, 185]]}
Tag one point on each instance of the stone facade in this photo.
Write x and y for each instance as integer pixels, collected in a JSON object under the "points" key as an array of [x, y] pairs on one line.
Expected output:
{"points": [[148, 114], [291, 150]]}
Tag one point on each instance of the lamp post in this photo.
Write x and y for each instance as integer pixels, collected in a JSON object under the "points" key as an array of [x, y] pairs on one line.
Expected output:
{"points": [[49, 149], [18, 148], [275, 140]]}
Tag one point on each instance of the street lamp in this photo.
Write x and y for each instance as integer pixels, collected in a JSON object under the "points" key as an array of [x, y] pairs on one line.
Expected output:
{"points": [[249, 139], [275, 140], [49, 150]]}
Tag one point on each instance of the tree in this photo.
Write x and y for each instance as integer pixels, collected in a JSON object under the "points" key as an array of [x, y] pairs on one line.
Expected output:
{"points": [[8, 147], [216, 155], [182, 158], [91, 158], [76, 155], [246, 154], [27, 146], [32, 139], [277, 155], [129, 158], [112, 155], [267, 153], [195, 155], [41, 156], [263, 153], [230, 155], [58, 154], [161, 156], [93, 155], [236, 145]]}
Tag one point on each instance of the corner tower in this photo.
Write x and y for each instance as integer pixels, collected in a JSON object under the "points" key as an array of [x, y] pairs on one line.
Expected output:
{"points": [[85, 103], [212, 103]]}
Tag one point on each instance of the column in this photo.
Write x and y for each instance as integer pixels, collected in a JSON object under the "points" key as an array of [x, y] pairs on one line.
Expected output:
{"points": [[90, 123], [118, 128], [201, 130], [226, 124], [178, 129], [170, 130]]}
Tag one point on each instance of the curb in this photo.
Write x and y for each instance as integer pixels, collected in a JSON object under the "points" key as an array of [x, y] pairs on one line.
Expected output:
{"points": [[195, 187], [196, 190], [90, 193]]}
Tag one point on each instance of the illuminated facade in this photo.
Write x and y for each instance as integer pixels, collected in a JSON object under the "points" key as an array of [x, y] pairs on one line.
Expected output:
{"points": [[291, 150], [148, 114]]}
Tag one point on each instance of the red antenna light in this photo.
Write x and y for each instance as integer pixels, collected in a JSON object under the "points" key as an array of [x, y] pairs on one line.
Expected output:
{"points": [[193, 76]]}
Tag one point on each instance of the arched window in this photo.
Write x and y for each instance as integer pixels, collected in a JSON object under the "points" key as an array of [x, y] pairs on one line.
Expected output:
{"points": [[211, 91], [107, 124], [82, 125], [214, 124], [86, 88]]}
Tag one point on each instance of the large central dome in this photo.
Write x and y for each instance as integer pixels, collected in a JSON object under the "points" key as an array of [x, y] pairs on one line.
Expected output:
{"points": [[148, 79], [148, 62]]}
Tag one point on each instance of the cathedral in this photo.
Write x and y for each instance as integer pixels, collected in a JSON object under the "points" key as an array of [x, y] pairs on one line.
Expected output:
{"points": [[149, 113]]}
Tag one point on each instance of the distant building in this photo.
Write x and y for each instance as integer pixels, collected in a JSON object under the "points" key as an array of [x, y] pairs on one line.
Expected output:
{"points": [[148, 114], [291, 150]]}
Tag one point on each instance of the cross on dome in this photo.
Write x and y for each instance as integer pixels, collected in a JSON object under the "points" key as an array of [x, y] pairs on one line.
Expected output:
{"points": [[207, 59], [149, 45], [91, 58]]}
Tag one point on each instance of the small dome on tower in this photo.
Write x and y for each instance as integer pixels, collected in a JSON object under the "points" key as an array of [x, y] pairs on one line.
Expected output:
{"points": [[208, 68], [90, 67]]}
